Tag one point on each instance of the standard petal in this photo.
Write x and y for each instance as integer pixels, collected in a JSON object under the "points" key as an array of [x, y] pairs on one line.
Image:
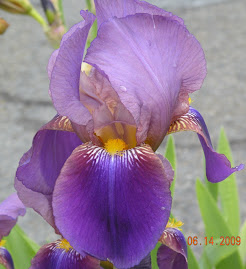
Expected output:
{"points": [[218, 167], [60, 255], [64, 82], [149, 60], [10, 210], [43, 162], [106, 9], [51, 63], [110, 117], [113, 207], [6, 259]]}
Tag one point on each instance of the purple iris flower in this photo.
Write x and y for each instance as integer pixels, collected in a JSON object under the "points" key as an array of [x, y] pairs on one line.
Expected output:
{"points": [[94, 167], [172, 253], [60, 254], [10, 210]]}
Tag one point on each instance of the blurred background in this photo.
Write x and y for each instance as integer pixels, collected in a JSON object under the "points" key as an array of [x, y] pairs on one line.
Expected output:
{"points": [[25, 104]]}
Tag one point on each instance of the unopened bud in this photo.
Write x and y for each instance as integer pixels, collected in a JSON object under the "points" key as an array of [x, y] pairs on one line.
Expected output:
{"points": [[16, 6], [3, 26], [49, 10]]}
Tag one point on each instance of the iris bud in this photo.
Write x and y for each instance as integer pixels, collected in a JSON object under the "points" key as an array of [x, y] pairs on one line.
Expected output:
{"points": [[3, 26], [16, 6]]}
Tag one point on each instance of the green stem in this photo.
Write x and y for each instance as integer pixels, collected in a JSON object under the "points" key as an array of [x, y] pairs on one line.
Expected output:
{"points": [[60, 6], [34, 13], [89, 6]]}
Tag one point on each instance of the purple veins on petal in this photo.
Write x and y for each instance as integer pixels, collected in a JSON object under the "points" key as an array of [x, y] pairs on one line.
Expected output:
{"points": [[119, 203], [5, 258], [60, 255], [218, 167], [10, 210]]}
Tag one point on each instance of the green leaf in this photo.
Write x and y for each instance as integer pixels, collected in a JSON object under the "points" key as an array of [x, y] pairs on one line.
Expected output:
{"points": [[228, 190], [215, 226], [232, 261], [204, 262], [21, 248], [242, 247], [192, 262], [154, 256], [170, 154]]}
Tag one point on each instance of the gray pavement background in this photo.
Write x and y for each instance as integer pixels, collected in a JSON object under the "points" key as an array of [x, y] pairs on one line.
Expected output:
{"points": [[25, 104]]}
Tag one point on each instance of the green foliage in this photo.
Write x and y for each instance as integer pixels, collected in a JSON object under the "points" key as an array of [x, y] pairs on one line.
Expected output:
{"points": [[21, 248], [170, 154], [192, 262], [242, 247], [154, 256], [228, 192]]}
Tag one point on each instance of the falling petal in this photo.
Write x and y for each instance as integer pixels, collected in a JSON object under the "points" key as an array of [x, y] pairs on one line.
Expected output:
{"points": [[118, 204], [218, 167]]}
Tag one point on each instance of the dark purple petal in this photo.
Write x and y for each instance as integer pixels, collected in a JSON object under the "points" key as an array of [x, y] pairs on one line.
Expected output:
{"points": [[6, 259], [54, 256], [65, 75], [175, 240], [144, 264], [49, 151], [218, 167], [169, 259], [10, 210], [149, 60], [113, 207], [107, 9]]}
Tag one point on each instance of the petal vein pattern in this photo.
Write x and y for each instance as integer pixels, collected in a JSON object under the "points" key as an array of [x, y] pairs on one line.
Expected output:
{"points": [[118, 205]]}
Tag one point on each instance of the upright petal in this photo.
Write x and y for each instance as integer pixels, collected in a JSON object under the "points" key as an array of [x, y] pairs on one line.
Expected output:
{"points": [[111, 119], [149, 60], [107, 9], [118, 205], [10, 210], [43, 162], [60, 255], [218, 167], [6, 259], [65, 75], [173, 253]]}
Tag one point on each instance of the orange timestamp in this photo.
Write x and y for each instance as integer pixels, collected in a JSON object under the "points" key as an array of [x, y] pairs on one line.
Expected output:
{"points": [[224, 241]]}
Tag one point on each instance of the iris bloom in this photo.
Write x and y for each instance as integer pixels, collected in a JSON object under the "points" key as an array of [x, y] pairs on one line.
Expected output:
{"points": [[94, 165], [60, 254], [10, 210]]}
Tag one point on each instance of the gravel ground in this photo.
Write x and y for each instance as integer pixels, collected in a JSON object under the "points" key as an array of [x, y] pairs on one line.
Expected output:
{"points": [[25, 105]]}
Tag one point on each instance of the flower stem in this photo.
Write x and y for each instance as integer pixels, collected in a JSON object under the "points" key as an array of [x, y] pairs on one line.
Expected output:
{"points": [[34, 13], [89, 5]]}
